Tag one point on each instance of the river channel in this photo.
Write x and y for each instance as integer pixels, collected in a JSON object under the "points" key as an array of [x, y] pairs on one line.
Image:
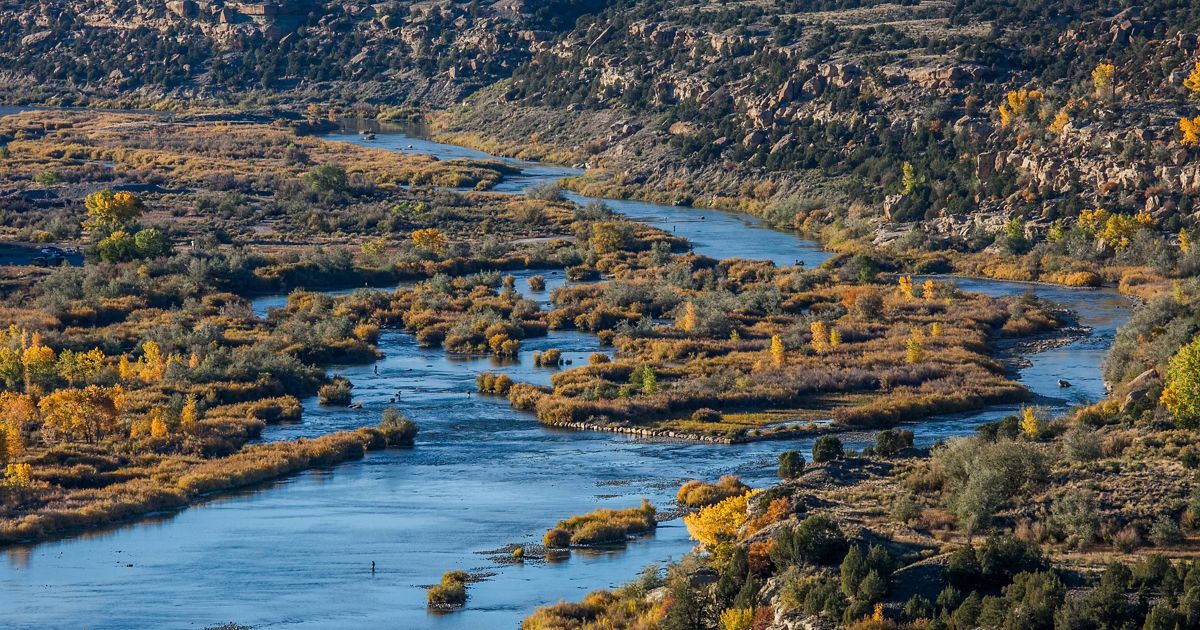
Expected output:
{"points": [[298, 553]]}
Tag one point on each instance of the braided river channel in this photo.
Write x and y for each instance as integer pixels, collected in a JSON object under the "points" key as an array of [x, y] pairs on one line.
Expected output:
{"points": [[297, 553]]}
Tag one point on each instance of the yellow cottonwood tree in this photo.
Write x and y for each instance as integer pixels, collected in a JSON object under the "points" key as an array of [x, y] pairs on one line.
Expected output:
{"points": [[429, 239], [38, 362], [929, 289], [18, 475], [909, 180], [16, 411], [189, 416], [906, 286], [107, 211], [914, 348], [607, 238], [1031, 425], [81, 414], [152, 365], [737, 619], [820, 335], [1191, 131], [125, 369], [11, 370], [1181, 396], [719, 522], [1060, 122], [778, 355], [158, 423], [1192, 82], [690, 320], [1103, 77], [1017, 104]]}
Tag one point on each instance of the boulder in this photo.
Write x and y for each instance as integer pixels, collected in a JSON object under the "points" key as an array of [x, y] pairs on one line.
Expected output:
{"points": [[754, 138], [35, 38], [1139, 388]]}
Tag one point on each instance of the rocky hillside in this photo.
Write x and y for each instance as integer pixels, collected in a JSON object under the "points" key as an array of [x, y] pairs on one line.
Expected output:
{"points": [[431, 52], [1030, 110]]}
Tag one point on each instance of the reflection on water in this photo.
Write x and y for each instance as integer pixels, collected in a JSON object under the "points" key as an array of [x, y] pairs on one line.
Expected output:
{"points": [[298, 553]]}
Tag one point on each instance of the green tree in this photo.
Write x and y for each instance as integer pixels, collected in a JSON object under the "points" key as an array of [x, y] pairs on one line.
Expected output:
{"points": [[1032, 599], [688, 609], [909, 180], [151, 243], [649, 381], [917, 607], [329, 178], [853, 570], [118, 246], [827, 448], [872, 588], [791, 464]]}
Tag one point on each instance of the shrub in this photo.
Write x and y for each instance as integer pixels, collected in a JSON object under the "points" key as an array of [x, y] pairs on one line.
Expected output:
{"points": [[557, 539], [1075, 512], [329, 178], [705, 414], [737, 618], [545, 192], [816, 540], [489, 383], [868, 306], [905, 510], [336, 392], [700, 494], [450, 593], [1127, 539], [537, 283], [47, 178], [981, 476], [1082, 444], [606, 525], [892, 441], [827, 448], [791, 464], [917, 607], [549, 358], [598, 358], [1001, 557], [398, 429], [1165, 532], [524, 396]]}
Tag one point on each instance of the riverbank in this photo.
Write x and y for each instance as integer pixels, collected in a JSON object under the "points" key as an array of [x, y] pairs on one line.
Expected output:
{"points": [[71, 512]]}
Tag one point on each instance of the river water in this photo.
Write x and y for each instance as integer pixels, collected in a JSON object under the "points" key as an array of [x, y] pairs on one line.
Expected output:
{"points": [[298, 553]]}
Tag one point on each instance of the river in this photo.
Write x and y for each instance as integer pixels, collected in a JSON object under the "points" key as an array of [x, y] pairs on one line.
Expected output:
{"points": [[298, 553]]}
